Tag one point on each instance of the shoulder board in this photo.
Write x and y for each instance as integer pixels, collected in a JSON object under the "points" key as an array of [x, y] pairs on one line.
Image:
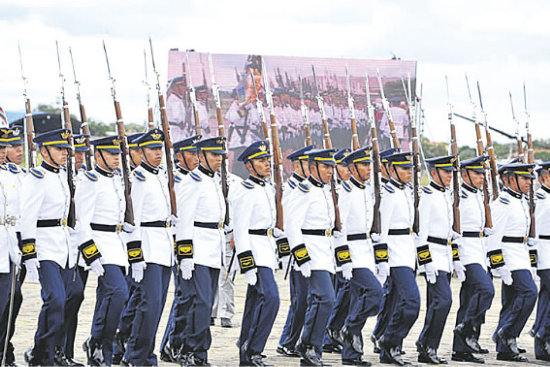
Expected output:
{"points": [[389, 189], [304, 187], [504, 200], [37, 173], [195, 176], [139, 175], [346, 186], [91, 176], [463, 194], [540, 195], [14, 168], [426, 189], [291, 183], [247, 184], [177, 178]]}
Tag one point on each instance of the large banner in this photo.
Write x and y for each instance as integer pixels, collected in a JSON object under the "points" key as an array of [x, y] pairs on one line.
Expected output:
{"points": [[238, 100]]}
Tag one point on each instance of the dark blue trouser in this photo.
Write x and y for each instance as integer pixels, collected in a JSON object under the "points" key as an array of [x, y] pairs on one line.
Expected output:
{"points": [[75, 297], [320, 300], [197, 331], [128, 311], [406, 306], [111, 295], [298, 286], [55, 283], [184, 295], [5, 287], [365, 299], [438, 304], [518, 301], [542, 322], [476, 296], [386, 308], [260, 312], [152, 293], [17, 300], [341, 304]]}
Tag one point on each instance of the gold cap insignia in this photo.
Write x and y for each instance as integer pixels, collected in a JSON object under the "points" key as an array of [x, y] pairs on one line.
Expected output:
{"points": [[65, 135], [155, 136]]}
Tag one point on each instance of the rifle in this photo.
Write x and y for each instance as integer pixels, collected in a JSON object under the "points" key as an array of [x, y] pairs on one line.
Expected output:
{"points": [[150, 117], [277, 155], [221, 132], [66, 120], [354, 136], [305, 117], [480, 152], [129, 210], [490, 149], [386, 105], [376, 224], [168, 142], [30, 154], [328, 145], [192, 94], [83, 121], [518, 139], [259, 107], [454, 151], [530, 160]]}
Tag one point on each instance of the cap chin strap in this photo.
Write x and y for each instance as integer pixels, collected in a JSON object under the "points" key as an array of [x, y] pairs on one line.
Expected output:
{"points": [[385, 167], [338, 174], [185, 162], [51, 158], [207, 163], [104, 161], [439, 176], [302, 167], [397, 174], [132, 159], [358, 174], [517, 183], [144, 156], [254, 169]]}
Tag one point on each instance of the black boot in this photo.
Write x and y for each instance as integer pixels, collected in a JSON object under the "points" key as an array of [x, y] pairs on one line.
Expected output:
{"points": [[59, 358], [93, 350]]}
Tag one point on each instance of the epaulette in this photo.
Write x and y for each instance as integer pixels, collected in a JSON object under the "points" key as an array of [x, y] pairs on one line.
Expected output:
{"points": [[304, 187], [195, 176], [426, 189], [389, 189], [346, 186], [37, 173], [504, 200], [14, 168], [247, 184], [177, 178], [139, 175], [291, 183], [463, 194], [91, 176], [540, 195]]}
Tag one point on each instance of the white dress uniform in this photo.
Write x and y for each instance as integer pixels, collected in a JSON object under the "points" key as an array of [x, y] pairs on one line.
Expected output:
{"points": [[436, 220], [542, 227], [472, 219], [8, 244]]}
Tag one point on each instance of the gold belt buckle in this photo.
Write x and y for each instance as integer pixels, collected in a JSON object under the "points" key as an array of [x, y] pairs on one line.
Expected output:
{"points": [[64, 222], [481, 233], [525, 239], [449, 242], [168, 224], [270, 232], [119, 228], [328, 232], [410, 230], [2, 221], [220, 225]]}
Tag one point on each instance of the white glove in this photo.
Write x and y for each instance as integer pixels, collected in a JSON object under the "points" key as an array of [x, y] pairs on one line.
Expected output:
{"points": [[347, 271], [32, 266], [97, 268], [531, 242], [534, 274], [460, 270], [228, 228], [173, 220], [337, 234], [137, 271], [455, 236], [305, 268], [187, 266], [505, 274], [251, 277], [128, 228], [382, 272], [375, 237], [14, 251], [488, 231], [416, 239], [431, 272], [277, 232]]}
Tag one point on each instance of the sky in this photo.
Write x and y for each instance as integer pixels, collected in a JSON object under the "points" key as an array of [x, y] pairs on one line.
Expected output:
{"points": [[501, 44]]}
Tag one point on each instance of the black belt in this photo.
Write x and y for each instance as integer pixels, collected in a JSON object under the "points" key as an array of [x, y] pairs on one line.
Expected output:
{"points": [[472, 234], [41, 223], [106, 227], [357, 236], [156, 224], [317, 232], [514, 239], [261, 232], [399, 232], [439, 241], [544, 237], [211, 225]]}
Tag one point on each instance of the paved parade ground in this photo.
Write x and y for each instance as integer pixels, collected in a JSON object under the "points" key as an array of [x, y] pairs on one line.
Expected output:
{"points": [[225, 353]]}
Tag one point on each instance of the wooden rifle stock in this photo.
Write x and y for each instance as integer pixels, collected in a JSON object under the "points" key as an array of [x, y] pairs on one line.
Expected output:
{"points": [[376, 224], [71, 218], [486, 195], [168, 153], [85, 130], [129, 210], [150, 118], [29, 130], [223, 169], [277, 172]]}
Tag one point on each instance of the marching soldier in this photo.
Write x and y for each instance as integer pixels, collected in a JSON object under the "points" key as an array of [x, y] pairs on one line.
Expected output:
{"points": [[356, 207], [253, 230], [477, 291], [45, 200], [200, 244], [150, 248], [541, 330], [298, 284], [309, 225], [508, 251], [397, 216], [435, 256], [100, 206], [170, 350]]}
